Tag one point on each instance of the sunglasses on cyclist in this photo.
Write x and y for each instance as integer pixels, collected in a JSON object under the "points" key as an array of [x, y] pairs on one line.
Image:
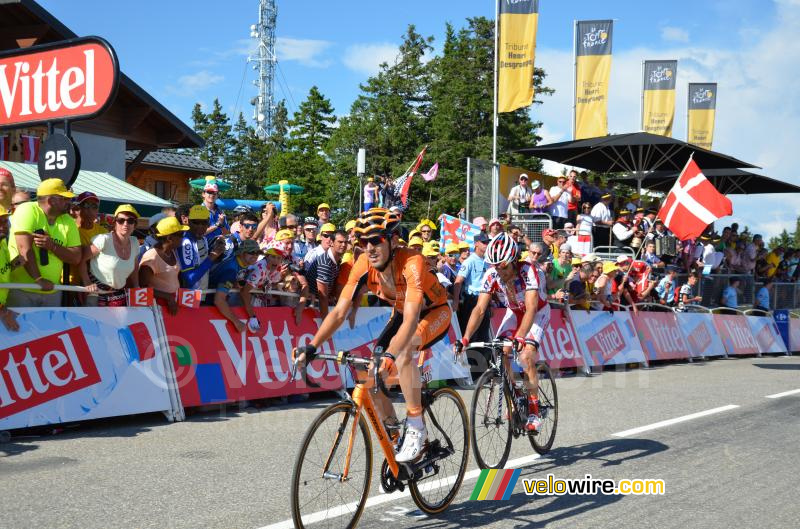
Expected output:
{"points": [[374, 240], [122, 220]]}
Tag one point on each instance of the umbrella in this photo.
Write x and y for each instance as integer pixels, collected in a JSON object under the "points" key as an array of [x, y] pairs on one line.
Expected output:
{"points": [[283, 189], [199, 183], [727, 181], [635, 152]]}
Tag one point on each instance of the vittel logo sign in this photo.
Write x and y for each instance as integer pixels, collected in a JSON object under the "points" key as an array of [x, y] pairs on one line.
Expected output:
{"points": [[69, 80], [45, 369], [608, 341]]}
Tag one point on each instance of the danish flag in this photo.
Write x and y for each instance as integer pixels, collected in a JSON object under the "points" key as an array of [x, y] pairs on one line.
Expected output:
{"points": [[30, 148], [693, 203], [5, 144]]}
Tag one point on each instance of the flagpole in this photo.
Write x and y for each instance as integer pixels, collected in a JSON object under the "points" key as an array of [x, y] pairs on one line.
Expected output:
{"points": [[574, 72], [430, 194], [495, 177]]}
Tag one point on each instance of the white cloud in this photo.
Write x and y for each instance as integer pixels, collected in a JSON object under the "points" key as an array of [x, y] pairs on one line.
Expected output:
{"points": [[367, 58], [757, 118], [304, 51], [673, 34], [193, 83]]}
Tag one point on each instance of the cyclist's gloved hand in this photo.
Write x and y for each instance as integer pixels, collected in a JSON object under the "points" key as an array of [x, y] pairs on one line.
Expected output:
{"points": [[304, 354], [458, 347], [519, 344]]}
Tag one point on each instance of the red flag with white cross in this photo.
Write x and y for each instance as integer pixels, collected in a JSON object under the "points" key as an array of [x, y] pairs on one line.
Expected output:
{"points": [[693, 203]]}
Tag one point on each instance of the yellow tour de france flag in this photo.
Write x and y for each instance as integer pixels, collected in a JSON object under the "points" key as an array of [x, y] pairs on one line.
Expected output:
{"points": [[592, 70], [658, 111], [702, 106], [516, 48]]}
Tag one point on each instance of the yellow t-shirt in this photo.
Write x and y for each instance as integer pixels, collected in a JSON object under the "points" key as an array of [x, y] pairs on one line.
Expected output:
{"points": [[86, 239], [774, 260], [28, 218], [5, 270]]}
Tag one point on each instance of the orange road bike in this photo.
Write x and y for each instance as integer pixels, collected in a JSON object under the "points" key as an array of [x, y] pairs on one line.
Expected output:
{"points": [[499, 408], [333, 468]]}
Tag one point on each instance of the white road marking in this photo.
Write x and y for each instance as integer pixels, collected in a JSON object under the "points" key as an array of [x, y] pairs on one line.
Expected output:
{"points": [[668, 422], [341, 510], [784, 394]]}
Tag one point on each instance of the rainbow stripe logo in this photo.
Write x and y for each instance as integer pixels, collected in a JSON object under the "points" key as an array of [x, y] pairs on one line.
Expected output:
{"points": [[495, 484]]}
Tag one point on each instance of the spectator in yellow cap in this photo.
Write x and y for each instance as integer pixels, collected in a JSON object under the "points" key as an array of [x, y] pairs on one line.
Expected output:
{"points": [[323, 214], [198, 253], [7, 316], [44, 237], [464, 252], [371, 194], [159, 268], [449, 261], [112, 263], [425, 229], [416, 243], [325, 239]]}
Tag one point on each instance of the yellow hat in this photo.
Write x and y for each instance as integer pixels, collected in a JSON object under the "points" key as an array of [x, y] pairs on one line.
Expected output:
{"points": [[426, 222], [463, 245], [433, 245], [576, 261], [284, 235], [416, 241], [327, 228], [429, 251], [3, 211], [609, 267], [198, 212], [53, 186], [168, 226], [413, 233], [350, 225], [126, 208], [523, 256], [370, 179], [323, 205], [451, 248], [634, 196], [402, 242]]}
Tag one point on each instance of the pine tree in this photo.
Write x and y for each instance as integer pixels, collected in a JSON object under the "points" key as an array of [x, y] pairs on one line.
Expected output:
{"points": [[312, 124]]}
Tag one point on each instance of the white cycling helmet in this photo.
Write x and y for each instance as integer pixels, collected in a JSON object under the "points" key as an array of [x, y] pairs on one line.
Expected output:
{"points": [[501, 249]]}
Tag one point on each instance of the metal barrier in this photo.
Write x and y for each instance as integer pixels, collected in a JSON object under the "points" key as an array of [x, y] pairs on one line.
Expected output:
{"points": [[532, 224], [610, 253], [783, 295], [711, 287]]}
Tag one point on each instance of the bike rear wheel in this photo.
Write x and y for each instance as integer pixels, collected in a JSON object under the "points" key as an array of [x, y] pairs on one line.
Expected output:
{"points": [[491, 420], [548, 410], [446, 422], [320, 496]]}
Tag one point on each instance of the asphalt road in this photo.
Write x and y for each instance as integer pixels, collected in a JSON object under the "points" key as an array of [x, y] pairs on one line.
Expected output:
{"points": [[231, 469]]}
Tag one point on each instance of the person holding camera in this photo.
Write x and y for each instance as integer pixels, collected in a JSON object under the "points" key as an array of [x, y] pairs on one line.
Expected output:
{"points": [[519, 196]]}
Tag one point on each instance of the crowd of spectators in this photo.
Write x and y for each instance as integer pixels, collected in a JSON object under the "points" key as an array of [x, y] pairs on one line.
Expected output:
{"points": [[261, 258]]}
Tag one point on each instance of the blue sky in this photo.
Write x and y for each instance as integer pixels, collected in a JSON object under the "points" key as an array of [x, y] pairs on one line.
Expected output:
{"points": [[185, 52]]}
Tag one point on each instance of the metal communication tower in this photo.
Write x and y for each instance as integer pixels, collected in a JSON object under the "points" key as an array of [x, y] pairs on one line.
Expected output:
{"points": [[265, 62]]}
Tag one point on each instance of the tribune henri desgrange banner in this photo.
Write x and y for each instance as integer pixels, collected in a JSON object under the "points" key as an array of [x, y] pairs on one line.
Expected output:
{"points": [[702, 106], [658, 111], [516, 48], [592, 70]]}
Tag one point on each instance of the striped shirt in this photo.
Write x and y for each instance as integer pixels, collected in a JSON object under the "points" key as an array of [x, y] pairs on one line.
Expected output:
{"points": [[322, 268]]}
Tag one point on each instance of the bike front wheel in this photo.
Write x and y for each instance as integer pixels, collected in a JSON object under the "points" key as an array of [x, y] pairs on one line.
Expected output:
{"points": [[490, 417], [446, 422], [321, 494], [548, 410]]}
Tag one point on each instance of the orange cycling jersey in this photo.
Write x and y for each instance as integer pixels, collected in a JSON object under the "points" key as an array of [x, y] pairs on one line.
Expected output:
{"points": [[413, 281]]}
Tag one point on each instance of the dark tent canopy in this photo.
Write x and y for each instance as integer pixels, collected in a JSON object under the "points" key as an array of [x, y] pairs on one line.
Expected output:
{"points": [[727, 181]]}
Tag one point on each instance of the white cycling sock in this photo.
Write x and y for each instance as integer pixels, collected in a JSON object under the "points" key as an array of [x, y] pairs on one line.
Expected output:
{"points": [[415, 422]]}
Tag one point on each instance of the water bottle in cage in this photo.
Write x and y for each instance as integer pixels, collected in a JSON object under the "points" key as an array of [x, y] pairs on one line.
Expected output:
{"points": [[521, 400]]}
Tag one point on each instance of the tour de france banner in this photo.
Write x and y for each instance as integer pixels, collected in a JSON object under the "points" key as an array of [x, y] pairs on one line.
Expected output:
{"points": [[68, 365], [660, 336], [702, 109], [559, 346], [736, 334], [516, 50], [607, 337], [699, 332], [766, 334], [216, 364], [658, 109], [592, 72]]}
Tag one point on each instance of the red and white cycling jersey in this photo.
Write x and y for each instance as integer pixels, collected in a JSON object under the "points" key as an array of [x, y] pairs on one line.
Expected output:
{"points": [[512, 295]]}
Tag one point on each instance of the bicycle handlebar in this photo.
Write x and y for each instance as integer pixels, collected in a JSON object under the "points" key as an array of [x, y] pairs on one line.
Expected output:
{"points": [[499, 342]]}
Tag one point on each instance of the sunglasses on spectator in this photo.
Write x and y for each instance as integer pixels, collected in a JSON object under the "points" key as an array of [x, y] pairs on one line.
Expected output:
{"points": [[425, 231], [291, 227], [534, 252], [310, 229], [125, 220], [249, 225], [374, 240], [326, 235], [90, 205], [210, 192]]}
